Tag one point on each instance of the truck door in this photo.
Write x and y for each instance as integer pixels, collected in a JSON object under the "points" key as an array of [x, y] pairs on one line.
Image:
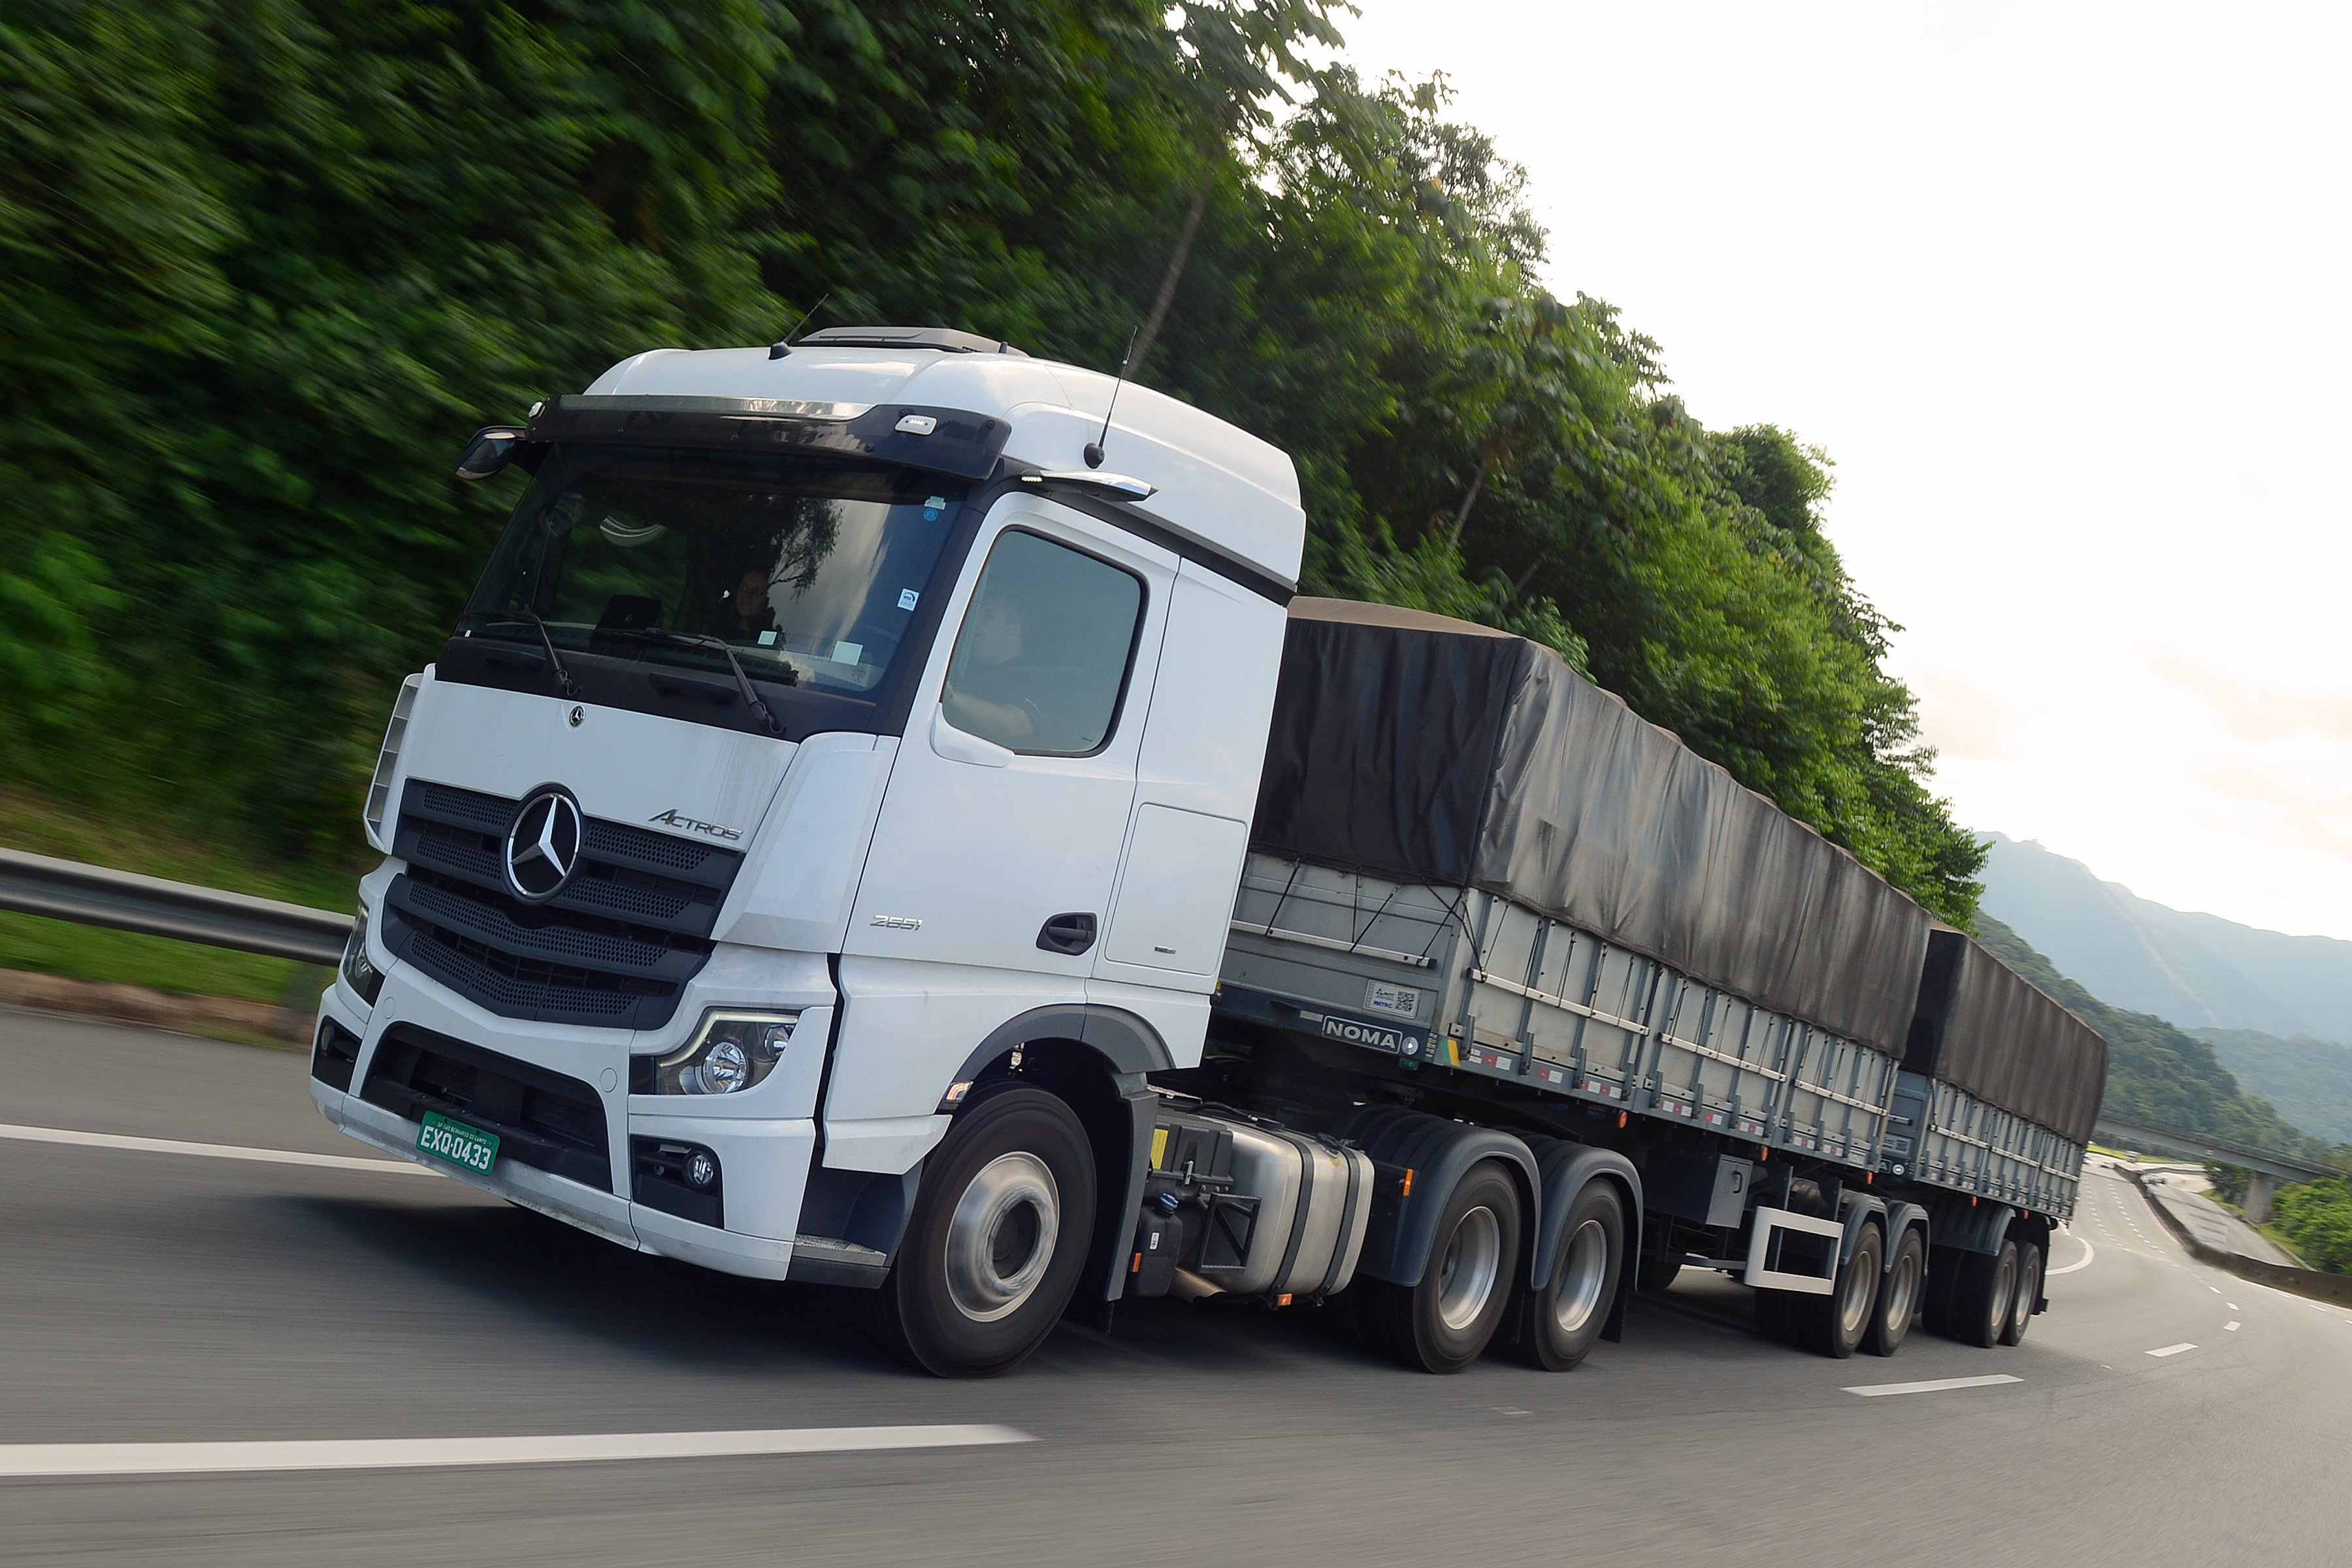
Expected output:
{"points": [[1001, 829]]}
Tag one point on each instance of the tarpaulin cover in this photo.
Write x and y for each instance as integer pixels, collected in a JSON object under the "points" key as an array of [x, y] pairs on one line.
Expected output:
{"points": [[1429, 750], [1984, 1028]]}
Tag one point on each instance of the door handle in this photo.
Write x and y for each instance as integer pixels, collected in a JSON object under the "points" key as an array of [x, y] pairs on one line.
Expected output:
{"points": [[1071, 934]]}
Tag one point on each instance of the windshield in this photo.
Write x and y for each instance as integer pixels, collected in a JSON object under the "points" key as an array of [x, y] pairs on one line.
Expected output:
{"points": [[810, 571]]}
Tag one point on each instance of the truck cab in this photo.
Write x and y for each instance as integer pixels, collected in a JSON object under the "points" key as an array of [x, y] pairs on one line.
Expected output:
{"points": [[845, 742]]}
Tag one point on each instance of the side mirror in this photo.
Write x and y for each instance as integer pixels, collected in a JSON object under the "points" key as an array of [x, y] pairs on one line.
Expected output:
{"points": [[492, 450]]}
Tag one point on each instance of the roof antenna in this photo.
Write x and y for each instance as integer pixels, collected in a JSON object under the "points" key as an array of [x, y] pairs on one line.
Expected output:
{"points": [[779, 350], [1094, 452]]}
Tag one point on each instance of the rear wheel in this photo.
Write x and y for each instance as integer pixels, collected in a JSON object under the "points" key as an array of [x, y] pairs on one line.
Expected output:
{"points": [[1556, 1327], [2028, 1291], [1898, 1295], [1988, 1287], [1834, 1325], [1443, 1323], [993, 1252]]}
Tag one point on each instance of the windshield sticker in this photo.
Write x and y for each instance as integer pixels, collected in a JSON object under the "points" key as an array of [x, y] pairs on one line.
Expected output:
{"points": [[767, 639], [933, 507], [848, 652], [906, 597]]}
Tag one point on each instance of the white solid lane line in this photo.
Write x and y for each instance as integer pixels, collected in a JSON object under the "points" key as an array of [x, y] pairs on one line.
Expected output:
{"points": [[2089, 1252], [24, 1460], [1876, 1390], [2172, 1349], [206, 1151]]}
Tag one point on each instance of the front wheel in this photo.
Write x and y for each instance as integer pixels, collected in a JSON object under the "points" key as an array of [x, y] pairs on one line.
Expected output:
{"points": [[993, 1252], [1443, 1323], [1557, 1326]]}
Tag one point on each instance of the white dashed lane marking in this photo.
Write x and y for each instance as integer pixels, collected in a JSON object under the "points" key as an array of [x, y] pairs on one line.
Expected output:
{"points": [[18, 1459], [2172, 1349], [2231, 1327], [1937, 1385], [205, 1151]]}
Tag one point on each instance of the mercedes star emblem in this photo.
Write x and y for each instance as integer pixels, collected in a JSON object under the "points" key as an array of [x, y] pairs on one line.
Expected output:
{"points": [[543, 845]]}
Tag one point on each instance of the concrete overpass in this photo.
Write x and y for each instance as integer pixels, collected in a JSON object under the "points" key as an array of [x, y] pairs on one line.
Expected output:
{"points": [[2267, 1169]]}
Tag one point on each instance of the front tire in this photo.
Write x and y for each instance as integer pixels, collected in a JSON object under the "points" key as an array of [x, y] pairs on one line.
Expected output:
{"points": [[1557, 1327], [992, 1253], [1443, 1323]]}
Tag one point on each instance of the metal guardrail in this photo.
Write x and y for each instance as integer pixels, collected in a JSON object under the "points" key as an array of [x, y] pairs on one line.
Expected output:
{"points": [[94, 895]]}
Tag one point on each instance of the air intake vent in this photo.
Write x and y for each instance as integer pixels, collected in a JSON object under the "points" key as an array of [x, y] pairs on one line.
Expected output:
{"points": [[379, 795]]}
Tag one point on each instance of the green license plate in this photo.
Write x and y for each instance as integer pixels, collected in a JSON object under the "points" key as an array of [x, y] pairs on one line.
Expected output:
{"points": [[457, 1143]]}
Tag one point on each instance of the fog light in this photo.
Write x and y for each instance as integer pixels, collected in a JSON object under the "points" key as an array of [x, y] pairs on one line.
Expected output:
{"points": [[729, 1053], [701, 1171]]}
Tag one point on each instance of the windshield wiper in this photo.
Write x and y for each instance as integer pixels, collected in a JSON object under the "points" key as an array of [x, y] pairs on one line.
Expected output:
{"points": [[525, 617], [702, 639]]}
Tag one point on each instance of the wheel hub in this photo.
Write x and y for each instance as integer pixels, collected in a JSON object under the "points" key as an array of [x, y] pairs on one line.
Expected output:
{"points": [[1000, 1237]]}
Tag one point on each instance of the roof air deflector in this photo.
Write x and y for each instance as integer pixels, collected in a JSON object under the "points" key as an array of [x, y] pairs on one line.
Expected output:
{"points": [[945, 340]]}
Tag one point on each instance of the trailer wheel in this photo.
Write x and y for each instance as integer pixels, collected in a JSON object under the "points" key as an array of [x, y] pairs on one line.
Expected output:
{"points": [[2029, 1291], [1834, 1325], [1987, 1288], [993, 1252], [1898, 1294], [1444, 1323], [1557, 1327]]}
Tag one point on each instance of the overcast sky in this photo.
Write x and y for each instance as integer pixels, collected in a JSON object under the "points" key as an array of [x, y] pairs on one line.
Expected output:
{"points": [[2062, 290]]}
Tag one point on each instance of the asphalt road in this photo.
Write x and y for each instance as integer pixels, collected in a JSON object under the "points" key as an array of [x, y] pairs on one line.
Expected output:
{"points": [[150, 1297], [2184, 1193]]}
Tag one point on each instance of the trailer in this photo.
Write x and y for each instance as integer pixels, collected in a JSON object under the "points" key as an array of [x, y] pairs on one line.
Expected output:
{"points": [[885, 819]]}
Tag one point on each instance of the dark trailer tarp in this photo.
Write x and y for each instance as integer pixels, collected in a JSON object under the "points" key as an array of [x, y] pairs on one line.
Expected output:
{"points": [[1986, 1029], [1429, 750]]}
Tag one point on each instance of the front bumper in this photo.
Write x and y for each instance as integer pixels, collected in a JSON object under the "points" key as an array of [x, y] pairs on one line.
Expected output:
{"points": [[764, 1138]]}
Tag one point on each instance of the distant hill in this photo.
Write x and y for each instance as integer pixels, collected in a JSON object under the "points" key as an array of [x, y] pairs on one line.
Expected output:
{"points": [[2156, 1072], [2197, 971], [2311, 1078]]}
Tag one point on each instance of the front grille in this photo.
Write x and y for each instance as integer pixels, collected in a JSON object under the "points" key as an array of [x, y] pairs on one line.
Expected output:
{"points": [[613, 949], [542, 1119]]}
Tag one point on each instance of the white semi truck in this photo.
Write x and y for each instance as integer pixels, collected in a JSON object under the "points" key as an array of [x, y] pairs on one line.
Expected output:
{"points": [[884, 819]]}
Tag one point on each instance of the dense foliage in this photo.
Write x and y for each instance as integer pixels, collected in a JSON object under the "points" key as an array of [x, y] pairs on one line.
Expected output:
{"points": [[2156, 1072], [267, 261], [2317, 1219]]}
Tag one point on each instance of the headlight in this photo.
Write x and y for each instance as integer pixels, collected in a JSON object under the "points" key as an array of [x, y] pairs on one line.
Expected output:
{"points": [[361, 973], [730, 1052]]}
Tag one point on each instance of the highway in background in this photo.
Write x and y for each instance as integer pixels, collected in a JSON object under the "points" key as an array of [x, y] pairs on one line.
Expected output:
{"points": [[2162, 1411]]}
